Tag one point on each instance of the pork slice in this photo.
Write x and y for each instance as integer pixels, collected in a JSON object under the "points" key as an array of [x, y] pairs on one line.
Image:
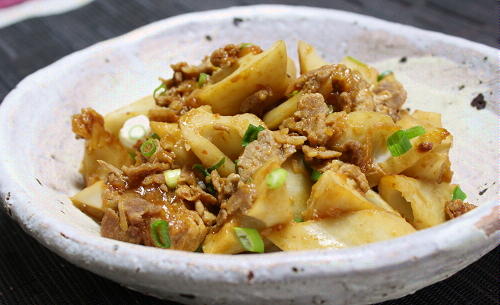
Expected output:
{"points": [[261, 151]]}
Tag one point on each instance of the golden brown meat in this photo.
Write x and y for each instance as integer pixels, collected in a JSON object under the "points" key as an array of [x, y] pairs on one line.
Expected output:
{"points": [[99, 145], [456, 208]]}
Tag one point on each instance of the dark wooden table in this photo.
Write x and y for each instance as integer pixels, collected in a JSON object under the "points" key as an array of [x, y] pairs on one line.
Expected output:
{"points": [[30, 274]]}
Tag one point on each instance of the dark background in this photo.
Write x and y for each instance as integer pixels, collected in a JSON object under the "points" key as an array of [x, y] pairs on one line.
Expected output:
{"points": [[30, 274]]}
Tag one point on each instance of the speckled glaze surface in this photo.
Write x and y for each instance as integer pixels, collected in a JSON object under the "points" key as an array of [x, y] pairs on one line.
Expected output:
{"points": [[40, 158]]}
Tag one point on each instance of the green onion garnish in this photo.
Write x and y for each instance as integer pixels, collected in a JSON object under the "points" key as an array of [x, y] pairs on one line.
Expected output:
{"points": [[201, 169], [136, 132], [399, 142], [414, 132], [202, 79], [159, 233], [357, 61], [216, 165], [383, 74], [293, 93], [276, 178], [155, 136], [148, 148], [315, 174], [171, 177], [245, 45], [250, 239], [206, 171], [298, 219], [458, 194], [251, 134], [162, 88]]}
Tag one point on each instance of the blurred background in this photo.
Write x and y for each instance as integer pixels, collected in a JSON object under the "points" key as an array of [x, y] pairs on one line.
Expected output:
{"points": [[35, 33]]}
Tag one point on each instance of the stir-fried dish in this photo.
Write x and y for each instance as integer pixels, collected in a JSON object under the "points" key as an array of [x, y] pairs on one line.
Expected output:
{"points": [[241, 154]]}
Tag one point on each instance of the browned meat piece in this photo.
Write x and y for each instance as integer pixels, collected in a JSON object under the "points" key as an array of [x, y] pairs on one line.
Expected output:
{"points": [[225, 187], [136, 173], [311, 120], [229, 54], [240, 201], [207, 217], [110, 228], [343, 88], [390, 95], [186, 227], [260, 151], [193, 193], [157, 179], [137, 208], [283, 137], [163, 115], [99, 145], [319, 153], [455, 208], [351, 171], [183, 70], [83, 124], [357, 153], [255, 102], [226, 56]]}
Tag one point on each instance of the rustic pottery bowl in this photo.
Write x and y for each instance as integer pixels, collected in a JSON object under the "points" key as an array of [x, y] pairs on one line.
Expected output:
{"points": [[39, 159]]}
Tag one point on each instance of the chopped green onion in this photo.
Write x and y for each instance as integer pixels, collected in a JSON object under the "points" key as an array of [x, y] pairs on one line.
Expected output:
{"points": [[202, 79], [398, 143], [383, 74], [155, 136], [276, 178], [250, 239], [206, 171], [210, 189], [315, 174], [159, 233], [251, 134], [216, 165], [298, 219], [148, 148], [136, 132], [245, 45], [414, 132], [201, 169], [458, 194], [356, 61], [293, 93], [162, 87], [171, 177]]}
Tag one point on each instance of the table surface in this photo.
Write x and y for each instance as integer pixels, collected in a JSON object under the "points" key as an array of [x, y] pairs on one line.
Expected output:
{"points": [[31, 274]]}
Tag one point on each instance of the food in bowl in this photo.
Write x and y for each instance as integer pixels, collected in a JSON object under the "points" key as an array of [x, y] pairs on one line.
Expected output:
{"points": [[239, 154]]}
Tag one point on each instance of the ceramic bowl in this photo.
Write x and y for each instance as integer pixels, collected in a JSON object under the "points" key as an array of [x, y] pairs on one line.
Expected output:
{"points": [[40, 157]]}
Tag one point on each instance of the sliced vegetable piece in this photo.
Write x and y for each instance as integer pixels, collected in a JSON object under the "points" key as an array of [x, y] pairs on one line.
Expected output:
{"points": [[159, 234], [134, 129], [398, 143], [383, 74], [148, 148], [202, 79], [251, 134], [171, 177], [250, 239], [276, 178], [458, 194], [414, 132]]}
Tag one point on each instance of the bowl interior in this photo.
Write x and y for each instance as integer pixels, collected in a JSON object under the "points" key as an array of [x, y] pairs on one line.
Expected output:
{"points": [[42, 156]]}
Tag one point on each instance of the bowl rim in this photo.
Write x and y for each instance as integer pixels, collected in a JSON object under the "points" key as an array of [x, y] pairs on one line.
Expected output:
{"points": [[66, 241]]}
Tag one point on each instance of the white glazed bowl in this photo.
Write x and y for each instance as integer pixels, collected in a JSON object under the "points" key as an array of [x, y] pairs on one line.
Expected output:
{"points": [[39, 161]]}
